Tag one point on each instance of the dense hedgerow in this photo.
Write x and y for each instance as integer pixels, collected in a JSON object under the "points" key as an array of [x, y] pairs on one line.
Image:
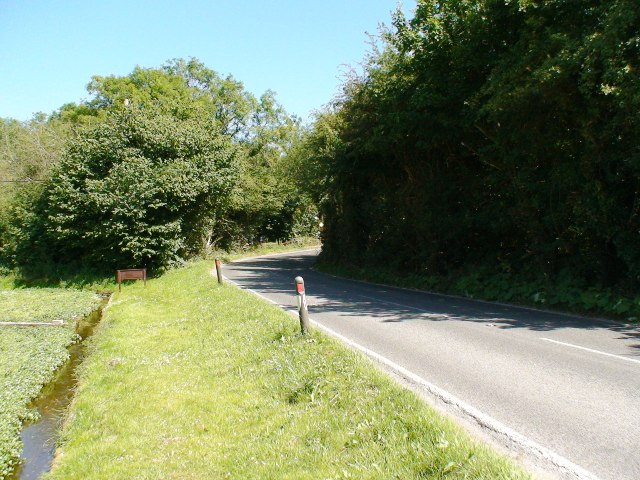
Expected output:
{"points": [[492, 135]]}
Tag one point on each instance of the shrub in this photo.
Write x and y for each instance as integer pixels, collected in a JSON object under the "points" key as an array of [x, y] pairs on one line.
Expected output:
{"points": [[137, 190]]}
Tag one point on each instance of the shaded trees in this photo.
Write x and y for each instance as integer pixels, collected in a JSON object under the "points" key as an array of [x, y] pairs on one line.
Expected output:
{"points": [[497, 135]]}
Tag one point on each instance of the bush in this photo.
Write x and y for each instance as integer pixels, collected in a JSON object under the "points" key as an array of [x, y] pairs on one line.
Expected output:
{"points": [[137, 190]]}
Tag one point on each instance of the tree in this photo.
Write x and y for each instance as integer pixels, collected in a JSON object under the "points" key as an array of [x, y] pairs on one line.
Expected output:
{"points": [[498, 135], [260, 206], [161, 164], [28, 152], [137, 190]]}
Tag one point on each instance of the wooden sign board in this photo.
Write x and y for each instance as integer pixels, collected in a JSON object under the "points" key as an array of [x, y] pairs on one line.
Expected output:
{"points": [[131, 274]]}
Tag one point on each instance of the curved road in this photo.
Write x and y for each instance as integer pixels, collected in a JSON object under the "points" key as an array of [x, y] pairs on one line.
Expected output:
{"points": [[568, 384]]}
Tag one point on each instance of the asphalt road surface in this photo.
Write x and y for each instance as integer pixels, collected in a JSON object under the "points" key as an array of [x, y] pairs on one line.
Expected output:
{"points": [[565, 390]]}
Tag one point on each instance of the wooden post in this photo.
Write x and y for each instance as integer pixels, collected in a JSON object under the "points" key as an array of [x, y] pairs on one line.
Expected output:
{"points": [[302, 305], [219, 270]]}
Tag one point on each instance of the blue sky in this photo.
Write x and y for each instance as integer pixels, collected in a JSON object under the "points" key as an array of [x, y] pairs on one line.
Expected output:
{"points": [[50, 49]]}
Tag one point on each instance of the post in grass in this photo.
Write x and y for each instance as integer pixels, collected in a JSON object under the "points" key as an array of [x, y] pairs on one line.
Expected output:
{"points": [[302, 305], [219, 270]]}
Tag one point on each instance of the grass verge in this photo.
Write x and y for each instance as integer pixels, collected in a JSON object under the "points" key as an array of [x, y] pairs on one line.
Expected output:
{"points": [[187, 379], [31, 355], [82, 278]]}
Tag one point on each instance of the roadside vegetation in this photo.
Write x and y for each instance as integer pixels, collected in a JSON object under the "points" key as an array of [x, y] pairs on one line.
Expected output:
{"points": [[158, 166], [485, 148], [267, 249], [490, 148], [32, 355], [189, 379]]}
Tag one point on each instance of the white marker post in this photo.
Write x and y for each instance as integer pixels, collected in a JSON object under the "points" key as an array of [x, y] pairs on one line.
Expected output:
{"points": [[302, 305]]}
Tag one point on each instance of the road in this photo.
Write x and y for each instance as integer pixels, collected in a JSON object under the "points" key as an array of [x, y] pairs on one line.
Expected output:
{"points": [[566, 384]]}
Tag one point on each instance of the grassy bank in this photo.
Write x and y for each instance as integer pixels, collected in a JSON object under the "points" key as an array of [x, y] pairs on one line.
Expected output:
{"points": [[187, 379], [31, 355], [83, 278], [561, 294]]}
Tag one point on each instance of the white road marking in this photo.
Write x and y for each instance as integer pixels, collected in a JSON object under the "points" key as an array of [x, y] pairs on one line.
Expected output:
{"points": [[484, 420], [591, 350]]}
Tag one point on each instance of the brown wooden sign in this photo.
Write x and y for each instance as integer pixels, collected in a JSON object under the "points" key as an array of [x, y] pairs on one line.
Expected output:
{"points": [[131, 274]]}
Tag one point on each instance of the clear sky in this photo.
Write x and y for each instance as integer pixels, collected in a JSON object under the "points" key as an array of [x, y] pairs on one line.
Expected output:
{"points": [[50, 49]]}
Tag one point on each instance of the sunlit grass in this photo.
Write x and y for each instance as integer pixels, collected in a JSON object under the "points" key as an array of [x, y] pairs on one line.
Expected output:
{"points": [[191, 380]]}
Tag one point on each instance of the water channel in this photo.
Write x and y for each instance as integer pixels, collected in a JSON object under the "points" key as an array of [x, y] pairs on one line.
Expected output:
{"points": [[40, 438]]}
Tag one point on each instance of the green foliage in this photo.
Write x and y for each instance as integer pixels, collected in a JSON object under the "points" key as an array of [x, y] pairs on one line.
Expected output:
{"points": [[148, 175], [31, 356], [45, 304], [301, 243], [492, 134], [28, 152], [264, 204], [138, 189], [268, 203]]}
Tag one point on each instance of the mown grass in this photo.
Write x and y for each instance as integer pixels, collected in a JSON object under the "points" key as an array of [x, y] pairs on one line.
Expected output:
{"points": [[187, 379], [30, 356]]}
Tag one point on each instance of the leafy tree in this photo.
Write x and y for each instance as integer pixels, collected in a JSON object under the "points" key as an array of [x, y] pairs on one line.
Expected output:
{"points": [[267, 204], [497, 135], [160, 164], [263, 132], [139, 189], [28, 152]]}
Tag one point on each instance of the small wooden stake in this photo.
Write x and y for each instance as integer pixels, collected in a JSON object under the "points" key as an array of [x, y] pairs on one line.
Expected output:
{"points": [[219, 270]]}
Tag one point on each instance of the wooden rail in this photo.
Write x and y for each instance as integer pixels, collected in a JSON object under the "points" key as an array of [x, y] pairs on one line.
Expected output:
{"points": [[31, 324]]}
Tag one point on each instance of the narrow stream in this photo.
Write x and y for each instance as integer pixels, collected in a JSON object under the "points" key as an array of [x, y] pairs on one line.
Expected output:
{"points": [[40, 438]]}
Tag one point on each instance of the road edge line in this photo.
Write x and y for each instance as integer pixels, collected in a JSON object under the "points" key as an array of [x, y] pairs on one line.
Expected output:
{"points": [[565, 465]]}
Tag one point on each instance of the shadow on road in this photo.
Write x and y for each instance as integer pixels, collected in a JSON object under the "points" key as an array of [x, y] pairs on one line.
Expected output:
{"points": [[327, 293]]}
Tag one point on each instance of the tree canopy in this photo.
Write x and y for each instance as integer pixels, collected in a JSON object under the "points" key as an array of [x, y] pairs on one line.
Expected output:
{"points": [[156, 166], [494, 134], [136, 190]]}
